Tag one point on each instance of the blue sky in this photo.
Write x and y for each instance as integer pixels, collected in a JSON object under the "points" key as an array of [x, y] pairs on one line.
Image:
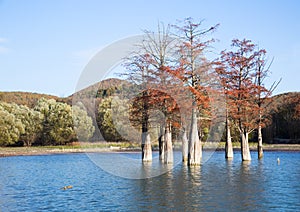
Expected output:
{"points": [[45, 45]]}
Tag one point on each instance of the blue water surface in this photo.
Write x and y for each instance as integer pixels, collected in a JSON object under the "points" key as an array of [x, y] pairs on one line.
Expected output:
{"points": [[33, 183]]}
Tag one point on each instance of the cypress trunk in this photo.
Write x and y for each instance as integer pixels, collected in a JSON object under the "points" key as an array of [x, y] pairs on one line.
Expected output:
{"points": [[260, 153], [228, 145], [161, 143], [185, 146], [146, 140], [195, 149], [245, 150], [146, 147], [259, 146], [168, 158]]}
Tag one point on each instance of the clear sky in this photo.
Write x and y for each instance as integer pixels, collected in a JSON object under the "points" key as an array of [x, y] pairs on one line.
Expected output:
{"points": [[45, 44]]}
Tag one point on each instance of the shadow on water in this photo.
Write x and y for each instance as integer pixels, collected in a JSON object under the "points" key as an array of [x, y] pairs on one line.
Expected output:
{"points": [[177, 189]]}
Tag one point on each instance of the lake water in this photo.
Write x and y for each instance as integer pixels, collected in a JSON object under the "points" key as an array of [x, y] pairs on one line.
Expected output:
{"points": [[32, 183]]}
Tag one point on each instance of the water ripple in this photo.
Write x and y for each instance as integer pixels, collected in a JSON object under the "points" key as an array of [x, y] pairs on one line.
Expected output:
{"points": [[33, 183]]}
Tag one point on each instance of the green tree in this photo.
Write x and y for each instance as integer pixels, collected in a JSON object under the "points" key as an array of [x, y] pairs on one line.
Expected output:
{"points": [[57, 123], [30, 119], [83, 124], [105, 121], [10, 127]]}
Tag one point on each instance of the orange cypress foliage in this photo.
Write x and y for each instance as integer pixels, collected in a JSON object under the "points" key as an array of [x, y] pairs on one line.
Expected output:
{"points": [[242, 72], [238, 76]]}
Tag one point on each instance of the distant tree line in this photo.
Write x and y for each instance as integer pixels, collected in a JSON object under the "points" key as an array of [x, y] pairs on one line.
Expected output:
{"points": [[48, 123], [22, 125], [284, 119], [27, 98]]}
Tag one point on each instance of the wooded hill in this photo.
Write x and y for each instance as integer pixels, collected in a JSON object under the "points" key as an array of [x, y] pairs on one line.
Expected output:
{"points": [[284, 119], [26, 98], [283, 110]]}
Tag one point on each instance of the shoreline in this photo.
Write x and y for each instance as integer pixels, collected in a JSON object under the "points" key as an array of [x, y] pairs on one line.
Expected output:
{"points": [[34, 151]]}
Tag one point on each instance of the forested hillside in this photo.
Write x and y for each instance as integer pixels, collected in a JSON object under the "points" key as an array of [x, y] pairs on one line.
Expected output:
{"points": [[103, 89], [40, 119], [282, 125], [282, 122], [25, 98], [284, 119]]}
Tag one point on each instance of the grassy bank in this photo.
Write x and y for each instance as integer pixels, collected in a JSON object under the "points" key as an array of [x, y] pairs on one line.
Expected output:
{"points": [[75, 148], [124, 146]]}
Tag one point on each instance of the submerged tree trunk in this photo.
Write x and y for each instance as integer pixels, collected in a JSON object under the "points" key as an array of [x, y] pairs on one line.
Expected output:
{"points": [[185, 146], [146, 147], [168, 158], [161, 143], [195, 149], [245, 150], [259, 145], [228, 145], [146, 140]]}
